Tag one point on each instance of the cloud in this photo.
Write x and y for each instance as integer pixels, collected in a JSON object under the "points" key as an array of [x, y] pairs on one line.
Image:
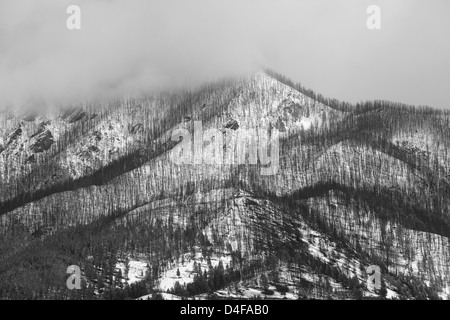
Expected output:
{"points": [[122, 47], [129, 46]]}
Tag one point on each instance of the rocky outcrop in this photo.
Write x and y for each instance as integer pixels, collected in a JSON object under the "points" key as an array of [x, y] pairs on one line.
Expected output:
{"points": [[14, 136], [74, 115], [232, 124], [136, 128], [43, 142]]}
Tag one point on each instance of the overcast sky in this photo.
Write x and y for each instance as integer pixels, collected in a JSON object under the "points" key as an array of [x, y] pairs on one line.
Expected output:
{"points": [[129, 45]]}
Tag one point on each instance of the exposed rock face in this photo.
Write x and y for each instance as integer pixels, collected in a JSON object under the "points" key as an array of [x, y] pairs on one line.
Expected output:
{"points": [[43, 142], [40, 128], [97, 135], [74, 115], [289, 107], [31, 159], [14, 136], [232, 124], [94, 149], [280, 125], [136, 128]]}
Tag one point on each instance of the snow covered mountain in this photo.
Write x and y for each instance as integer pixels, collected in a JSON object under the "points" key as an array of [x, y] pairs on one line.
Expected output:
{"points": [[355, 188]]}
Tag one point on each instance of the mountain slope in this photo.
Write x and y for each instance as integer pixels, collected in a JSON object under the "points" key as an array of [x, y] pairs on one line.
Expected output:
{"points": [[355, 187]]}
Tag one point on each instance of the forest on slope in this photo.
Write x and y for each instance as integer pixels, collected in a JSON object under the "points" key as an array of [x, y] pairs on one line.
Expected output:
{"points": [[116, 196]]}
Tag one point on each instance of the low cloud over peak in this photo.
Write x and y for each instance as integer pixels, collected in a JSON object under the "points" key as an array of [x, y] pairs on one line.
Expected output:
{"points": [[129, 46], [122, 47]]}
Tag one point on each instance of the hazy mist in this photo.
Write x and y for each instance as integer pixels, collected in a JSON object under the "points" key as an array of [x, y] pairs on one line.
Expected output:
{"points": [[125, 47]]}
